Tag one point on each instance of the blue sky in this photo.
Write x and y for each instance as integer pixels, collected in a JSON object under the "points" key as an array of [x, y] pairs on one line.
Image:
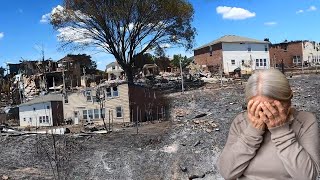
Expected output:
{"points": [[22, 33]]}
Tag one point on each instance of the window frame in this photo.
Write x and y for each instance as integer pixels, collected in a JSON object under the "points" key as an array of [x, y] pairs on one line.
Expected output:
{"points": [[95, 113], [120, 112], [85, 115]]}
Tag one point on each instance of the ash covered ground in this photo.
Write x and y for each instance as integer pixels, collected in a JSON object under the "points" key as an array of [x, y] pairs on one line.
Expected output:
{"points": [[186, 147]]}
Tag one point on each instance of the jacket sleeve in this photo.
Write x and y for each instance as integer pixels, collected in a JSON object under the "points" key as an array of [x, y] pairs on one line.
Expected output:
{"points": [[300, 156], [240, 148]]}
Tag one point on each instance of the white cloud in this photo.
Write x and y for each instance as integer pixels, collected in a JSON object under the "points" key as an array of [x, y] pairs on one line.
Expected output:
{"points": [[300, 11], [45, 18], [234, 13], [1, 35], [271, 23], [312, 8]]}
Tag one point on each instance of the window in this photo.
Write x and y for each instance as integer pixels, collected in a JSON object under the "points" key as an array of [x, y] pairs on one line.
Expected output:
{"points": [[66, 100], [261, 63], [40, 119], [266, 48], [30, 119], [249, 49], [47, 119], [48, 107], [115, 92], [109, 92], [90, 113], [34, 109], [119, 112], [85, 114], [242, 62], [24, 119], [88, 94], [264, 62], [257, 62], [233, 62], [113, 67], [96, 113]]}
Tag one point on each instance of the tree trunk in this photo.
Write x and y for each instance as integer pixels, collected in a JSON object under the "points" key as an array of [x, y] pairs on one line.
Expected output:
{"points": [[129, 75]]}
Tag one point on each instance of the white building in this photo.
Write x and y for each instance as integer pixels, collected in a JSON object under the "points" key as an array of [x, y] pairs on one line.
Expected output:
{"points": [[311, 52], [114, 71], [42, 111], [234, 52]]}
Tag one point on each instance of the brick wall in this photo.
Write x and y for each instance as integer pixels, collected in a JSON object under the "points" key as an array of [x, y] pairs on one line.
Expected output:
{"points": [[203, 56], [285, 52]]}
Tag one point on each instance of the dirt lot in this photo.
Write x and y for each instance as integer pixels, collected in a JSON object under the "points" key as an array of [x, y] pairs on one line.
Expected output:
{"points": [[186, 147]]}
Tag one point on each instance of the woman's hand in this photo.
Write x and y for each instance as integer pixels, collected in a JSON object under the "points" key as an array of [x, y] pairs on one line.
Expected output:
{"points": [[274, 116], [254, 111]]}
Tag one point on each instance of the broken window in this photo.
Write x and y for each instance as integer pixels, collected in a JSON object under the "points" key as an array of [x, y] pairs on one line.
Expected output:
{"points": [[85, 115], [119, 112], [115, 92], [96, 113], [233, 62]]}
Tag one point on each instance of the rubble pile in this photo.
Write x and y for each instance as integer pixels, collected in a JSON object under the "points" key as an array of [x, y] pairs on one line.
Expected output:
{"points": [[187, 147]]}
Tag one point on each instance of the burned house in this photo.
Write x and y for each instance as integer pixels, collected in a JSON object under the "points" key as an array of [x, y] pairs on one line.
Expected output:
{"points": [[295, 53]]}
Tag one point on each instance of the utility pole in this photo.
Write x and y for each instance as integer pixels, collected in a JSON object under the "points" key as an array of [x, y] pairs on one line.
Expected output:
{"points": [[182, 87]]}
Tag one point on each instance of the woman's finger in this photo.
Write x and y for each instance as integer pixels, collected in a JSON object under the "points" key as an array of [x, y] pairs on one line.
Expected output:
{"points": [[258, 109], [254, 107], [263, 117], [271, 109], [249, 105], [266, 111], [279, 107]]}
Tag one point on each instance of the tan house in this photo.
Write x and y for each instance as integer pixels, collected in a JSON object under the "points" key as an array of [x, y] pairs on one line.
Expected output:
{"points": [[84, 105], [117, 101]]}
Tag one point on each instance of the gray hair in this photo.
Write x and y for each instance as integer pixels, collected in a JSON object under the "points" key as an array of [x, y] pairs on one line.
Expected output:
{"points": [[270, 83]]}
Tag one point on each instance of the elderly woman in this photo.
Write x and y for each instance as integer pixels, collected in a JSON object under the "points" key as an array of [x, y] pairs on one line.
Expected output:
{"points": [[271, 140]]}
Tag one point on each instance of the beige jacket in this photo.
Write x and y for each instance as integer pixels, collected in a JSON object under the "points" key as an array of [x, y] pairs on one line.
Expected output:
{"points": [[290, 151]]}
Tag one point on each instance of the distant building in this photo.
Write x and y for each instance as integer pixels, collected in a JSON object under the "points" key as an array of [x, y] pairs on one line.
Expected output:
{"points": [[233, 53], [114, 71], [293, 53], [42, 111]]}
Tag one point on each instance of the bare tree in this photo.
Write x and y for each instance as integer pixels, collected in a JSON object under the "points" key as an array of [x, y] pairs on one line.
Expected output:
{"points": [[125, 28]]}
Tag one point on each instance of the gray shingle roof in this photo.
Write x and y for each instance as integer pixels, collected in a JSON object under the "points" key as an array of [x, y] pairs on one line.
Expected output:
{"points": [[45, 98], [233, 39]]}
